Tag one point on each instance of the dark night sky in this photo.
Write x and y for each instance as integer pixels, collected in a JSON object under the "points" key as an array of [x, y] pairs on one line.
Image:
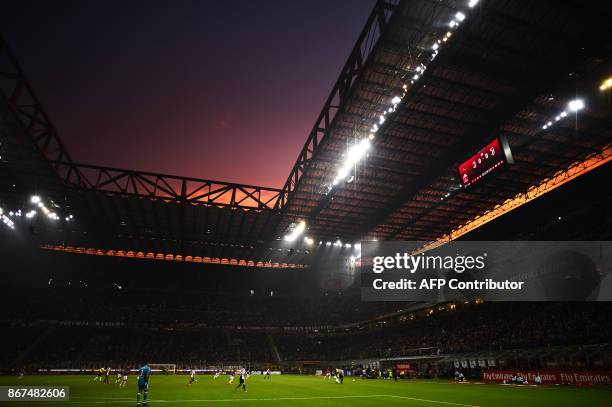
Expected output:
{"points": [[211, 89]]}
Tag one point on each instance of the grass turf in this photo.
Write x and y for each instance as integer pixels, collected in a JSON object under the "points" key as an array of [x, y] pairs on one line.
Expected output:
{"points": [[302, 391]]}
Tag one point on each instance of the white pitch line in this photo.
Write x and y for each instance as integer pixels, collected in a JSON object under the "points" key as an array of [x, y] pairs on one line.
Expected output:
{"points": [[239, 400], [285, 399], [433, 401]]}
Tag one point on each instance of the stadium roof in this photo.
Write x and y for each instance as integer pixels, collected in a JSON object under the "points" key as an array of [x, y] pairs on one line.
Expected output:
{"points": [[507, 69], [432, 82]]}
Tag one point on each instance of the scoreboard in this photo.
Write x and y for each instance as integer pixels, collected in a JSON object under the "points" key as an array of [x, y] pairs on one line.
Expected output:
{"points": [[491, 157]]}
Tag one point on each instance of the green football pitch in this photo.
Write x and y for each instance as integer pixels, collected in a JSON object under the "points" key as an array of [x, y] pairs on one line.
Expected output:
{"points": [[302, 391]]}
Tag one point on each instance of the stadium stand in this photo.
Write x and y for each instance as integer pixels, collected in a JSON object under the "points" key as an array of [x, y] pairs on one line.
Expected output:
{"points": [[485, 328]]}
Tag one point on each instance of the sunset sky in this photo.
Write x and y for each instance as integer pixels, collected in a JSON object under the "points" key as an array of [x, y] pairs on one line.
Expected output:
{"points": [[210, 89]]}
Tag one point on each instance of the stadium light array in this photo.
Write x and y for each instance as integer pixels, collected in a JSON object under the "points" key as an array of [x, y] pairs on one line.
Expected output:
{"points": [[573, 106], [359, 150], [6, 220], [607, 84], [39, 203], [39, 206]]}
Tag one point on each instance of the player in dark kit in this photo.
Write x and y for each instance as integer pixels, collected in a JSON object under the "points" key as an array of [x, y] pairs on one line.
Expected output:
{"points": [[242, 380], [267, 376], [106, 375]]}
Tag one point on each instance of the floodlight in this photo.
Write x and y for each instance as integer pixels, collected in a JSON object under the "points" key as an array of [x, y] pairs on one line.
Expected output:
{"points": [[575, 105]]}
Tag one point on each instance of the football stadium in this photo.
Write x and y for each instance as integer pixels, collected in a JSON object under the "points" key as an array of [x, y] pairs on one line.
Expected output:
{"points": [[382, 202]]}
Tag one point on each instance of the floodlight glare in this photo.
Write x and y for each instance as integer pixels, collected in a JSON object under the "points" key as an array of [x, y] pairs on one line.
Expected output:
{"points": [[575, 105], [344, 171], [297, 231], [607, 84], [355, 153]]}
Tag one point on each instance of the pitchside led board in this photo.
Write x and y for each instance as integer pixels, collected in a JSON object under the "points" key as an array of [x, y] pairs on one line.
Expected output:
{"points": [[493, 156]]}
